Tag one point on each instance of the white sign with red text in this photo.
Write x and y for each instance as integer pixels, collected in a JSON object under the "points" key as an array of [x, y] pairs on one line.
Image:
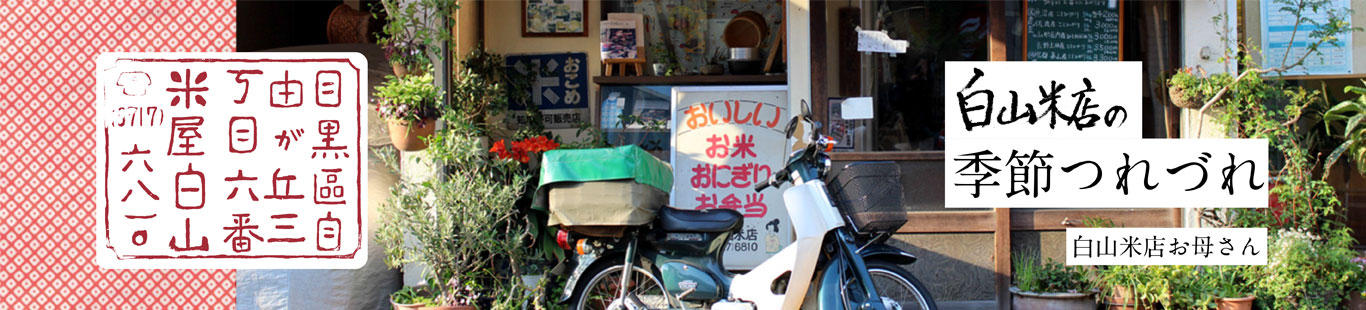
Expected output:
{"points": [[724, 141]]}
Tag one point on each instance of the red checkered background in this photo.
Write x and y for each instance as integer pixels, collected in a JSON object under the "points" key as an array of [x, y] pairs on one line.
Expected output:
{"points": [[47, 57]]}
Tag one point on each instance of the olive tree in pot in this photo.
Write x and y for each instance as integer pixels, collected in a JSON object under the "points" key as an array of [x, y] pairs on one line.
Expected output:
{"points": [[1049, 286], [462, 224], [411, 104]]}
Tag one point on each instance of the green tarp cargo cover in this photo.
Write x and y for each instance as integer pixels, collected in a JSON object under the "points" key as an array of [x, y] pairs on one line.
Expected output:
{"points": [[567, 168]]}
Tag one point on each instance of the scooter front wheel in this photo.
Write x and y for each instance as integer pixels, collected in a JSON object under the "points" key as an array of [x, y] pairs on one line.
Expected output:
{"points": [[895, 283], [602, 287]]}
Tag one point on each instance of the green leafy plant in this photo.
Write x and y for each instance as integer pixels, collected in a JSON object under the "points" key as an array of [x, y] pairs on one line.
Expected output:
{"points": [[1229, 281], [410, 295], [1131, 284], [1253, 106], [463, 224], [1307, 272], [482, 89], [1309, 254], [1344, 121], [1186, 287], [1049, 277], [414, 30], [409, 98]]}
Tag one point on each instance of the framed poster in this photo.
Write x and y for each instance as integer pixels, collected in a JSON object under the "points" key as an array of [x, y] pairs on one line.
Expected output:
{"points": [[724, 140], [554, 18]]}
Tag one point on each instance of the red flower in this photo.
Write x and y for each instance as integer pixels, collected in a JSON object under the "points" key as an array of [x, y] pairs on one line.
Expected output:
{"points": [[521, 151]]}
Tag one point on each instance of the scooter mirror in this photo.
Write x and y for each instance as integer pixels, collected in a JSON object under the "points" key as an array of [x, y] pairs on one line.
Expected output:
{"points": [[792, 126]]}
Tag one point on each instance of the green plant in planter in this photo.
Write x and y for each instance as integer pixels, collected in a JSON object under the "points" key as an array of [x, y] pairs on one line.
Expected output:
{"points": [[1187, 287], [410, 295], [462, 223], [1049, 277], [409, 98], [414, 30], [1306, 272], [1131, 284], [1188, 90], [1229, 281]]}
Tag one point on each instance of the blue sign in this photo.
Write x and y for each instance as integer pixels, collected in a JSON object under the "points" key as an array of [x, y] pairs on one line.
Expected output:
{"points": [[560, 80]]}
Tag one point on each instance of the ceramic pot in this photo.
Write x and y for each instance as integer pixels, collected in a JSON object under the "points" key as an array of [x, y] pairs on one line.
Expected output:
{"points": [[1061, 301], [409, 137], [659, 68]]}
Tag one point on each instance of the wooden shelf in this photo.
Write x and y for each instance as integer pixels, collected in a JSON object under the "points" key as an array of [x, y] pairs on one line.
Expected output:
{"points": [[692, 80]]}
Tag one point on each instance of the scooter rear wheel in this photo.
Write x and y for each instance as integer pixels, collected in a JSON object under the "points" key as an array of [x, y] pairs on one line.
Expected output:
{"points": [[896, 283], [602, 287]]}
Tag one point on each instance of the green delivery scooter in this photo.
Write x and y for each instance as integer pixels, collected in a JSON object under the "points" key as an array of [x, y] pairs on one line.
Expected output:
{"points": [[838, 260]]}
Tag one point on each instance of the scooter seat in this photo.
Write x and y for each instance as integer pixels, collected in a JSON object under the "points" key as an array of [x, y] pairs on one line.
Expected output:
{"points": [[713, 220]]}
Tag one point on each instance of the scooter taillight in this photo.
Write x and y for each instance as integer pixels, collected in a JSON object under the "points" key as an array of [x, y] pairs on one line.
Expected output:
{"points": [[562, 240]]}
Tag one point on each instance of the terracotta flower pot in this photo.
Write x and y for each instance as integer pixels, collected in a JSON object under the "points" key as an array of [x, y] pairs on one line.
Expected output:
{"points": [[1123, 299], [408, 137], [448, 308], [1061, 301], [398, 306], [1241, 303], [401, 69]]}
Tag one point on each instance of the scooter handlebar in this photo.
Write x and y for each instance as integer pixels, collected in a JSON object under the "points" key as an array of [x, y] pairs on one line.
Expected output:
{"points": [[773, 180], [763, 185]]}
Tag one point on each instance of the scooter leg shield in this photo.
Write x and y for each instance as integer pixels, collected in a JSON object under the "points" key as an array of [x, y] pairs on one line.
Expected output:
{"points": [[812, 216], [755, 286]]}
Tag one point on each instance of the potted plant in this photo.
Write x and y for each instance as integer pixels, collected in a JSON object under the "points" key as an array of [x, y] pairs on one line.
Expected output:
{"points": [[482, 90], [411, 104], [1307, 271], [411, 298], [414, 32], [463, 224], [1129, 287], [1184, 88], [664, 63], [1048, 286], [1231, 288]]}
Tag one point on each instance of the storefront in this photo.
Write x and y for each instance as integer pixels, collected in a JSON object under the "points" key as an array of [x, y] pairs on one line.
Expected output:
{"points": [[965, 253]]}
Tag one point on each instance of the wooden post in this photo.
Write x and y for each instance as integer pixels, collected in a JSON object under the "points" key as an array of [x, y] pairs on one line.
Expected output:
{"points": [[820, 104], [996, 50]]}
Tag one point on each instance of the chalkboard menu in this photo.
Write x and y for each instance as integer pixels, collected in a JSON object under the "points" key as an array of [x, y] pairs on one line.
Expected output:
{"points": [[1073, 30]]}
